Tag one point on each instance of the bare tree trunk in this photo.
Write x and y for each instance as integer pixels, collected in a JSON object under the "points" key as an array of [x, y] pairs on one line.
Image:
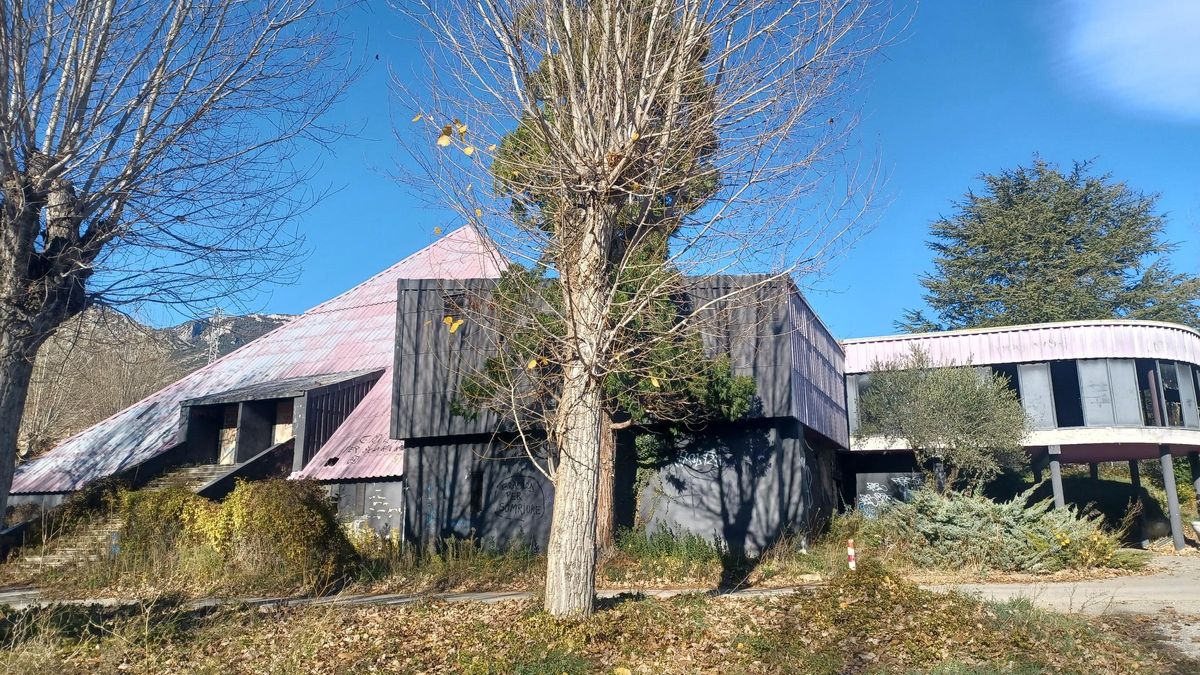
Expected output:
{"points": [[16, 368], [571, 551], [606, 498]]}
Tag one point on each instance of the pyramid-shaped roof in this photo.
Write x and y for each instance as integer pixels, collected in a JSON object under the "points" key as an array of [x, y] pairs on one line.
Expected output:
{"points": [[353, 332]]}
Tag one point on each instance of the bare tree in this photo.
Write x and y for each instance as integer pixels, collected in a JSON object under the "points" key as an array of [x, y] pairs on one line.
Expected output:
{"points": [[94, 365], [612, 149], [147, 155]]}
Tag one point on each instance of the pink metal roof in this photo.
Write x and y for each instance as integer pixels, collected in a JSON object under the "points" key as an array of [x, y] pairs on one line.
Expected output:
{"points": [[352, 332], [1034, 342], [362, 447]]}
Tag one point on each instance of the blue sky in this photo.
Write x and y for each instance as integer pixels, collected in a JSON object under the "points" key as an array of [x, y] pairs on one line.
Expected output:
{"points": [[970, 87]]}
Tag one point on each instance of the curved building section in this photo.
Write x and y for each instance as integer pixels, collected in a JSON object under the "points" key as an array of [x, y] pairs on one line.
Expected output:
{"points": [[1101, 390], [1094, 391]]}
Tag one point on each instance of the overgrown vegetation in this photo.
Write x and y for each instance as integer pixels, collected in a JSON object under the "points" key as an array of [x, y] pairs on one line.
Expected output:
{"points": [[266, 536], [450, 565], [869, 621], [956, 532], [950, 414]]}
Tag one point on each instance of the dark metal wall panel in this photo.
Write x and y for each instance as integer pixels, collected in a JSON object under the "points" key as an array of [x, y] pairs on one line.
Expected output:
{"points": [[817, 377], [328, 407], [430, 361], [763, 324], [482, 490], [746, 487]]}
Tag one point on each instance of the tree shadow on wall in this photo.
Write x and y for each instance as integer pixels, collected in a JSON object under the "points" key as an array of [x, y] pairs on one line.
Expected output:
{"points": [[747, 483]]}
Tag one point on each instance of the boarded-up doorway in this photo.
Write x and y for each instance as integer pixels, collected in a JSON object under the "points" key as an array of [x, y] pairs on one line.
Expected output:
{"points": [[227, 438]]}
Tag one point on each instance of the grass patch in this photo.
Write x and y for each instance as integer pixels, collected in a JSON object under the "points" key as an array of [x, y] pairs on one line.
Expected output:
{"points": [[868, 621], [450, 565]]}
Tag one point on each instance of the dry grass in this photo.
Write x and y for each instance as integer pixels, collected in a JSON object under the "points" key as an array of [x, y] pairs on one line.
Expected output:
{"points": [[867, 622]]}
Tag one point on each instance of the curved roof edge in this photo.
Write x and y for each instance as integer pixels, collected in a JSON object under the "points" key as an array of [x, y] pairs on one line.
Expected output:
{"points": [[1111, 338], [1023, 327]]}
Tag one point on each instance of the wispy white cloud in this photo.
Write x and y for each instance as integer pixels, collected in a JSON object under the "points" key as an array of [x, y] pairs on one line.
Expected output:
{"points": [[1142, 54]]}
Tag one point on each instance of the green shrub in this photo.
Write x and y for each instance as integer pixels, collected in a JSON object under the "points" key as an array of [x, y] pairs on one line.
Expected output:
{"points": [[952, 531], [287, 523], [153, 519], [267, 536]]}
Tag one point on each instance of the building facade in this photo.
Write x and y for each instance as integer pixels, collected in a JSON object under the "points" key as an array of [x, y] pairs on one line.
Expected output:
{"points": [[1094, 391]]}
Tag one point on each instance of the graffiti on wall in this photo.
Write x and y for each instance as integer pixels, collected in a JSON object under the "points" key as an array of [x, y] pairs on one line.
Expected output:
{"points": [[877, 490]]}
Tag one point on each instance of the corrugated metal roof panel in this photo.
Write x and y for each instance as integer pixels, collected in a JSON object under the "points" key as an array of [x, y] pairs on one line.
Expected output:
{"points": [[1034, 342], [362, 447], [354, 331]]}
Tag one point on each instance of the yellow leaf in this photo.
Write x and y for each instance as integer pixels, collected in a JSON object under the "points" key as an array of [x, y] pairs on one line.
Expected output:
{"points": [[543, 362], [460, 127], [444, 139], [533, 363], [478, 213], [654, 381], [437, 230], [417, 118], [454, 326], [622, 670], [469, 150], [448, 320], [492, 147], [634, 136]]}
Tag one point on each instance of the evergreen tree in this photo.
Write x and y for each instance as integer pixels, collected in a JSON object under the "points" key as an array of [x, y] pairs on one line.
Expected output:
{"points": [[1039, 244]]}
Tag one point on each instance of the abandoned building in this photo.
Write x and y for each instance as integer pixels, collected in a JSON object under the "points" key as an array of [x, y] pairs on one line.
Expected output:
{"points": [[357, 393]]}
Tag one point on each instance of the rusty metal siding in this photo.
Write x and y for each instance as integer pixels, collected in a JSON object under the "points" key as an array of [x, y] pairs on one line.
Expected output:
{"points": [[1037, 342], [353, 331]]}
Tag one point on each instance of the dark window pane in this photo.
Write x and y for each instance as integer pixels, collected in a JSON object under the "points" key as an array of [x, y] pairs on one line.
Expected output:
{"points": [[1172, 402], [1064, 378], [1009, 372], [1147, 373]]}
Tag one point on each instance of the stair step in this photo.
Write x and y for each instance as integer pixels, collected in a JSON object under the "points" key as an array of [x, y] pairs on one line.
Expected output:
{"points": [[86, 546]]}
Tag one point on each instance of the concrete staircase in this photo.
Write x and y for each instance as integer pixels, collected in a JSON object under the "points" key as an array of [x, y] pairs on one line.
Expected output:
{"points": [[90, 543]]}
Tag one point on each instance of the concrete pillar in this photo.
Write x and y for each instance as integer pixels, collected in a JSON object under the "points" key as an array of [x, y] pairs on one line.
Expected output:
{"points": [[1168, 474], [1135, 481], [1056, 476], [1094, 470]]}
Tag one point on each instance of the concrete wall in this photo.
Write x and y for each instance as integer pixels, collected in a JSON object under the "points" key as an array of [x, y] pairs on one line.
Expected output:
{"points": [[378, 505]]}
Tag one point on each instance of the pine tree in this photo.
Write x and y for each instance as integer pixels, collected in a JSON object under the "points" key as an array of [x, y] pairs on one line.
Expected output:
{"points": [[1039, 245]]}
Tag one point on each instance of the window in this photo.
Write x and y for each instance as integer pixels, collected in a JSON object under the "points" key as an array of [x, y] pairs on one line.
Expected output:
{"points": [[1095, 392], [1064, 378], [1009, 372], [1147, 375], [1126, 396], [1036, 395], [1187, 395]]}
